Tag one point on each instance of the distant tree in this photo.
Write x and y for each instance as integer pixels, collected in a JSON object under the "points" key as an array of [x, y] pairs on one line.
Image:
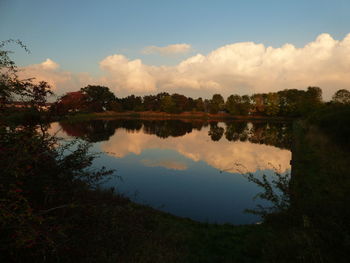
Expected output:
{"points": [[116, 106], [71, 102], [341, 96], [292, 102], [151, 103], [233, 104], [314, 95], [130, 103], [181, 102], [246, 105], [199, 104], [216, 104], [168, 105], [138, 104], [206, 103], [259, 106], [98, 98], [273, 104], [191, 104], [310, 100]]}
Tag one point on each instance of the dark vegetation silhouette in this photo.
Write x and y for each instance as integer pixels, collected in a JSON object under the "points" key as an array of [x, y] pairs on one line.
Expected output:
{"points": [[285, 103], [309, 215]]}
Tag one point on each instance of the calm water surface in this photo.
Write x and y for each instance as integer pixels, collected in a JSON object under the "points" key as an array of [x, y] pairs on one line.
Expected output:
{"points": [[188, 168]]}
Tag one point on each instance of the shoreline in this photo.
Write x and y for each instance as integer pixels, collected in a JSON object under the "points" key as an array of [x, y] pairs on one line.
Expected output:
{"points": [[154, 115]]}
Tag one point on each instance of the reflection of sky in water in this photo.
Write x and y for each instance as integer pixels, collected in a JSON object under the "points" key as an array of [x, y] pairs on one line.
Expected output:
{"points": [[198, 146], [181, 175]]}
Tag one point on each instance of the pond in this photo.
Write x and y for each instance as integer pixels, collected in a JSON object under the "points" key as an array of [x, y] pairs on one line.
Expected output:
{"points": [[189, 168]]}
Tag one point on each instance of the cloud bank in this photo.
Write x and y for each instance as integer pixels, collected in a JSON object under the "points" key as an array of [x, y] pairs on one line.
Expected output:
{"points": [[167, 50], [239, 68]]}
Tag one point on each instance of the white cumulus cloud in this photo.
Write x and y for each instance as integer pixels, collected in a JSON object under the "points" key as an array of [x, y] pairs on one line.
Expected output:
{"points": [[49, 64], [238, 68], [47, 71], [131, 75]]}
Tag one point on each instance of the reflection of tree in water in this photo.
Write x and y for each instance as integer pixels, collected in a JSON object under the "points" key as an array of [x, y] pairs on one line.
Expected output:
{"points": [[236, 131], [92, 131], [276, 134], [166, 128], [215, 132], [131, 125]]}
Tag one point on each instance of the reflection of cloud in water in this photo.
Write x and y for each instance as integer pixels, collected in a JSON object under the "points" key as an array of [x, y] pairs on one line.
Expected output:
{"points": [[197, 147], [55, 129], [169, 164]]}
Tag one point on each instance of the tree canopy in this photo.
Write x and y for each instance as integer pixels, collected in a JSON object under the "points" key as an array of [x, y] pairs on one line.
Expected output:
{"points": [[98, 98], [342, 96]]}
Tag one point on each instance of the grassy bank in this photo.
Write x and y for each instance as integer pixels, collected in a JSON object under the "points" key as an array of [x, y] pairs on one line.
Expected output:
{"points": [[127, 232], [105, 227], [315, 227]]}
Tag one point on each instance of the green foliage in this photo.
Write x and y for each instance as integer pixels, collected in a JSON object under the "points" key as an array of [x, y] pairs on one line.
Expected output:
{"points": [[341, 96], [334, 120], [308, 219], [285, 103], [199, 104], [273, 104], [276, 190], [41, 180], [259, 105], [168, 105], [233, 104], [98, 98], [238, 105], [216, 104]]}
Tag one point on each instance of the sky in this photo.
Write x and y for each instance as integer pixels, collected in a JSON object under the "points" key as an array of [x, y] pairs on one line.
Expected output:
{"points": [[196, 48]]}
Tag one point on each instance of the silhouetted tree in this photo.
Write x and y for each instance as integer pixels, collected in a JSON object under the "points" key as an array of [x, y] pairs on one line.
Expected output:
{"points": [[272, 104], [341, 96], [199, 104], [216, 104], [168, 105], [233, 103], [71, 102], [98, 98]]}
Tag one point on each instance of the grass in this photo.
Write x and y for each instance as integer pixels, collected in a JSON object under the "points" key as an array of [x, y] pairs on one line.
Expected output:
{"points": [[114, 229]]}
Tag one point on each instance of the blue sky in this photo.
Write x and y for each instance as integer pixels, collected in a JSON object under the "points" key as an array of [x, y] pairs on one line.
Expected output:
{"points": [[79, 34]]}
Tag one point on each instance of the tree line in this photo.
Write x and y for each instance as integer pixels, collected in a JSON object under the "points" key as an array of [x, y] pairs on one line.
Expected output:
{"points": [[288, 102]]}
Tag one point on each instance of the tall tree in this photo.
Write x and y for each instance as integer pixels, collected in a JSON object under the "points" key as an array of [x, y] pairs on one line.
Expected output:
{"points": [[98, 98], [216, 104], [168, 105], [273, 103], [199, 104], [71, 102], [233, 104], [259, 106], [341, 96]]}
